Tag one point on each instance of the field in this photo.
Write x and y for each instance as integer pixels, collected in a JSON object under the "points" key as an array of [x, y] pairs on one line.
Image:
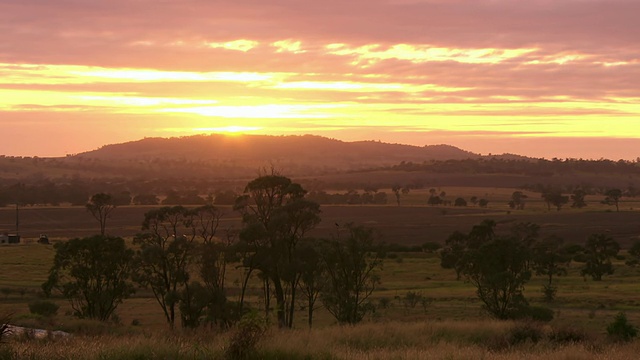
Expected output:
{"points": [[450, 325], [412, 223]]}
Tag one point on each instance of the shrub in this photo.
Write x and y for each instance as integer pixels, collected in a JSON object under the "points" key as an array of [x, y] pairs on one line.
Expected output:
{"points": [[620, 329], [384, 302], [539, 313], [411, 299], [244, 341], [549, 292], [566, 335], [430, 247], [43, 308], [524, 332]]}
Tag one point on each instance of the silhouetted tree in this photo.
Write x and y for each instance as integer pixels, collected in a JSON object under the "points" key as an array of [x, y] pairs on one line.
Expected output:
{"points": [[312, 276], [555, 198], [165, 254], [275, 217], [101, 206], [399, 190], [460, 202], [499, 270], [550, 259], [93, 274], [145, 199], [598, 250], [351, 263], [613, 198], [634, 254], [517, 201], [577, 198], [451, 255]]}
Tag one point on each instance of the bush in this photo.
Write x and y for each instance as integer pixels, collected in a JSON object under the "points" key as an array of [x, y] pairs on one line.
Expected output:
{"points": [[539, 313], [549, 292], [244, 341], [431, 247], [621, 330], [566, 335], [43, 308], [525, 332], [411, 299]]}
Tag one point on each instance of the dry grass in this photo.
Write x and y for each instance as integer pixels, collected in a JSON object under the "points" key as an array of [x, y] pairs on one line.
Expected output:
{"points": [[392, 340]]}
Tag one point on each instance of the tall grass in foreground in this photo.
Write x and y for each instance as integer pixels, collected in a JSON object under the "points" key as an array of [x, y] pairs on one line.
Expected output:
{"points": [[392, 340]]}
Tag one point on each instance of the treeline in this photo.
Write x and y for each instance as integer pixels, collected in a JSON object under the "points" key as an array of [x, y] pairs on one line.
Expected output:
{"points": [[78, 191], [530, 167], [351, 197]]}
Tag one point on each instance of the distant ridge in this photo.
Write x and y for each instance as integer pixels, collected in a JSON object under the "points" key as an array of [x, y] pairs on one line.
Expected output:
{"points": [[309, 149]]}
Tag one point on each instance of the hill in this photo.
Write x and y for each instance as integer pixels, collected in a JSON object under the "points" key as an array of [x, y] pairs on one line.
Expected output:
{"points": [[248, 150]]}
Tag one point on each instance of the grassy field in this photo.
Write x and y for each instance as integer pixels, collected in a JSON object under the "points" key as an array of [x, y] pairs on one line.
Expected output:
{"points": [[451, 325]]}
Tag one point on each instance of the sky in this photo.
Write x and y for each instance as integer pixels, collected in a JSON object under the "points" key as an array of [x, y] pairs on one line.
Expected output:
{"points": [[542, 78]]}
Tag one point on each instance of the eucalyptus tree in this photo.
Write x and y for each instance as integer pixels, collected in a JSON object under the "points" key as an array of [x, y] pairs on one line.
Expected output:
{"points": [[598, 251], [101, 206], [351, 263], [275, 217], [93, 274], [166, 250]]}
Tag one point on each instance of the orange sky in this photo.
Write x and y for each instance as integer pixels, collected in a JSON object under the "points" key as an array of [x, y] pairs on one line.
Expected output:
{"points": [[540, 78]]}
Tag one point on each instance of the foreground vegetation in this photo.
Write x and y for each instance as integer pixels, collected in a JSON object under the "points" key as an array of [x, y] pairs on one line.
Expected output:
{"points": [[387, 340]]}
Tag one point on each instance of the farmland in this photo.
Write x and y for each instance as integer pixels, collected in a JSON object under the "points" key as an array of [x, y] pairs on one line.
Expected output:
{"points": [[412, 223]]}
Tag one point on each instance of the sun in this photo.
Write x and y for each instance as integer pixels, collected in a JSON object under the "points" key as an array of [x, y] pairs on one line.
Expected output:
{"points": [[231, 130]]}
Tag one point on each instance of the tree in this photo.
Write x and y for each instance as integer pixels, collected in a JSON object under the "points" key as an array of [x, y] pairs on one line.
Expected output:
{"points": [[145, 199], [351, 264], [400, 190], [483, 203], [122, 198], [499, 270], [213, 258], [451, 256], [275, 216], [93, 274], [474, 200], [634, 254], [577, 198], [555, 198], [498, 266], [165, 254], [613, 198], [206, 219], [434, 200], [598, 250], [550, 259], [312, 276], [517, 201], [101, 206], [460, 202]]}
